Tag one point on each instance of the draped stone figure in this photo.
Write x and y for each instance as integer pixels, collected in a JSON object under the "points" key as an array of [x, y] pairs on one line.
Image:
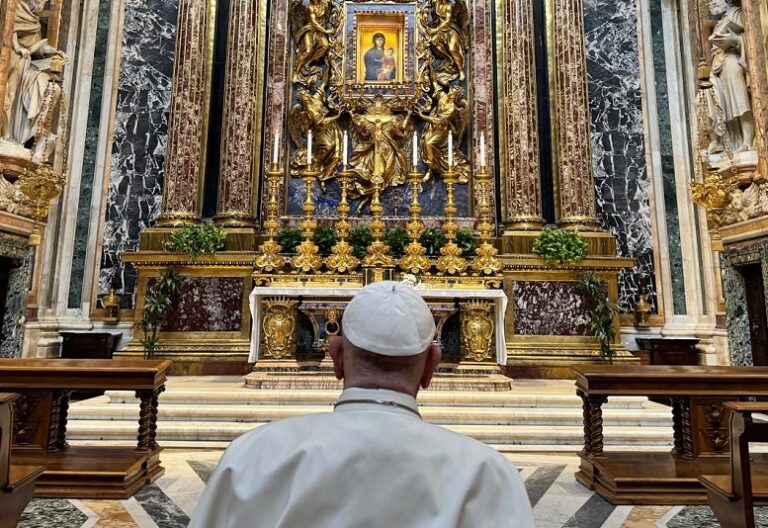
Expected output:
{"points": [[449, 114], [729, 105], [32, 95]]}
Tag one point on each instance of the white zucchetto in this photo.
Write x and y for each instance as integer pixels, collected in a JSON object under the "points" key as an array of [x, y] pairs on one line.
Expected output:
{"points": [[389, 318]]}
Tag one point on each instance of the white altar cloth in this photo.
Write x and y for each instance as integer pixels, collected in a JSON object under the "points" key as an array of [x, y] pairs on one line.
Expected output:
{"points": [[498, 296]]}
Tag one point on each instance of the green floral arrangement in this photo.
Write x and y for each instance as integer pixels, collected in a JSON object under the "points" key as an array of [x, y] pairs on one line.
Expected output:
{"points": [[601, 312], [432, 239], [196, 240], [360, 238], [397, 239], [288, 238], [465, 239], [158, 302], [560, 246], [325, 238]]}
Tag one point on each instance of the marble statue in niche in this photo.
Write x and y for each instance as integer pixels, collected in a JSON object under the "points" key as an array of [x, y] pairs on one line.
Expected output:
{"points": [[33, 93], [729, 105]]}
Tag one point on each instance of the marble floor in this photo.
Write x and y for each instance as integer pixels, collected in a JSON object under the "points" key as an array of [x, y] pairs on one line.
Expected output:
{"points": [[558, 500]]}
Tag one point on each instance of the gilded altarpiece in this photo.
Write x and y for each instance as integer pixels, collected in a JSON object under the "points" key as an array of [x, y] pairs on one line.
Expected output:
{"points": [[382, 113]]}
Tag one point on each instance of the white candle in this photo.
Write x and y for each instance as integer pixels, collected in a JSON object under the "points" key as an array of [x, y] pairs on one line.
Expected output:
{"points": [[482, 150], [415, 156], [309, 149], [275, 149], [345, 149], [450, 150]]}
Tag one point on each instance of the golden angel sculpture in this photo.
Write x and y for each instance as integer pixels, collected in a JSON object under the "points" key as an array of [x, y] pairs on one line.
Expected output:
{"points": [[311, 113], [449, 39], [310, 36], [380, 137], [33, 91], [449, 114]]}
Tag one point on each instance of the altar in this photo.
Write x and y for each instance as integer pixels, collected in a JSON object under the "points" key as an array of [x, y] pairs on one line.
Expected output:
{"points": [[275, 311], [366, 141]]}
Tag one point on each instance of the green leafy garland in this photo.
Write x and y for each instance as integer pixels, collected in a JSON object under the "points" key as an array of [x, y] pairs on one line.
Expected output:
{"points": [[325, 238], [397, 239], [160, 298], [560, 246], [601, 312], [289, 238], [197, 240], [360, 238]]}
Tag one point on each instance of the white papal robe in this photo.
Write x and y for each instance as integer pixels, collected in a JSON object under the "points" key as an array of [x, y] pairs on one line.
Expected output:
{"points": [[366, 465]]}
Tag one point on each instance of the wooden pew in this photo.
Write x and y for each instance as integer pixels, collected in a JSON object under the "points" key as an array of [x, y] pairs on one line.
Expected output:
{"points": [[40, 425], [17, 483], [698, 395], [732, 497]]}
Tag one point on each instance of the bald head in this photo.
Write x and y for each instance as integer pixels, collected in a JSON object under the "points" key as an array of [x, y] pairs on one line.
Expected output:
{"points": [[368, 370]]}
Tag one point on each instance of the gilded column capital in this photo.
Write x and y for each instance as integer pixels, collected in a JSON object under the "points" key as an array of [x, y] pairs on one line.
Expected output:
{"points": [[182, 197], [571, 117], [520, 164]]}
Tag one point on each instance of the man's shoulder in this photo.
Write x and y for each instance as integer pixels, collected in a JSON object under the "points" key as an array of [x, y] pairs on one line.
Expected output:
{"points": [[287, 428], [460, 443]]}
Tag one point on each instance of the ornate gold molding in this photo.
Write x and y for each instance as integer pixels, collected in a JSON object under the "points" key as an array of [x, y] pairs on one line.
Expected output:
{"points": [[477, 330], [279, 328]]}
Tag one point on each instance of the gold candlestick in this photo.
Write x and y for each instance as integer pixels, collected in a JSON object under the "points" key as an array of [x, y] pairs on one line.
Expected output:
{"points": [[378, 251], [308, 260], [414, 260], [451, 261], [485, 261], [269, 258], [343, 259]]}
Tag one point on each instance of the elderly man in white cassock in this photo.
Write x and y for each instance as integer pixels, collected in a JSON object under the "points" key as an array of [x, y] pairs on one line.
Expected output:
{"points": [[372, 462]]}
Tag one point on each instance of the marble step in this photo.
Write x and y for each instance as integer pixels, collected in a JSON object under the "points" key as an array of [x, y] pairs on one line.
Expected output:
{"points": [[507, 435], [435, 414], [327, 397], [326, 381]]}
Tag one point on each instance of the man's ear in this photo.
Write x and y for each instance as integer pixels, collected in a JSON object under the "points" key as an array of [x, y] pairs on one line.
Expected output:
{"points": [[434, 355], [336, 350]]}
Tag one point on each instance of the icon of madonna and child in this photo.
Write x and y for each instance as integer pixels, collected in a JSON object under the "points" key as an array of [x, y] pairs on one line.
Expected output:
{"points": [[380, 61]]}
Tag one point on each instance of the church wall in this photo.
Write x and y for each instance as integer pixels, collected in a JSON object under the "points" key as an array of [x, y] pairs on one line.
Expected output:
{"points": [[141, 128], [618, 145], [737, 316], [141, 120], [90, 152], [11, 326]]}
